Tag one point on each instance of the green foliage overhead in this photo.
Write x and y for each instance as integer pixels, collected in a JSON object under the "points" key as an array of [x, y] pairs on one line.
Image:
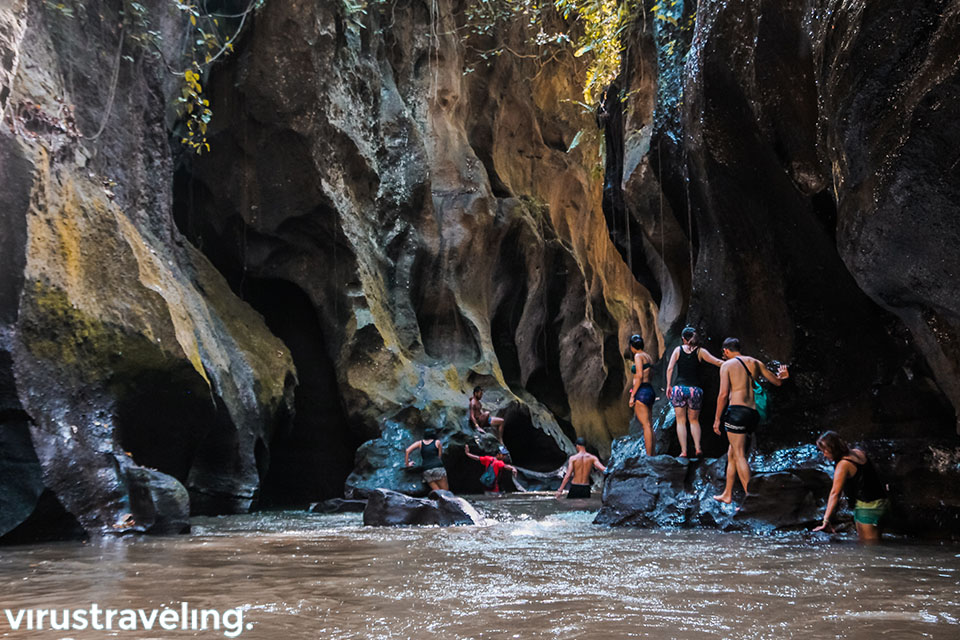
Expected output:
{"points": [[592, 29], [209, 34], [212, 35]]}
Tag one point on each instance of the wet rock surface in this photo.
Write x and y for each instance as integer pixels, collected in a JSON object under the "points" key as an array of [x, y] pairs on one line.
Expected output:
{"points": [[387, 508], [338, 505], [664, 491], [788, 489]]}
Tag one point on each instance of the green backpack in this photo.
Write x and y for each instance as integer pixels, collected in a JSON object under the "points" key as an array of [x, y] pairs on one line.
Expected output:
{"points": [[760, 397], [489, 477]]}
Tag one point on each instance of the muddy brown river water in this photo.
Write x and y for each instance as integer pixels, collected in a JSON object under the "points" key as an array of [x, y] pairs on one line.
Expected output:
{"points": [[538, 569]]}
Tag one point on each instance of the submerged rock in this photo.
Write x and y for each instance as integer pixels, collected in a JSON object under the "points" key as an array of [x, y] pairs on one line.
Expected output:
{"points": [[338, 505], [389, 508]]}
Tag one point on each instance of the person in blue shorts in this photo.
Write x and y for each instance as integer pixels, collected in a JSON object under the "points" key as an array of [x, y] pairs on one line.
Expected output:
{"points": [[641, 393]]}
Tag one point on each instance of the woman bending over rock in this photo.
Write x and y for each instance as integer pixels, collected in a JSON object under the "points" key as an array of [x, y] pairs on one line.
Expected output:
{"points": [[856, 476]]}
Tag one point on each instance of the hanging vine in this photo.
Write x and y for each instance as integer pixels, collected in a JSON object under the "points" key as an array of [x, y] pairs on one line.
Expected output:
{"points": [[209, 35]]}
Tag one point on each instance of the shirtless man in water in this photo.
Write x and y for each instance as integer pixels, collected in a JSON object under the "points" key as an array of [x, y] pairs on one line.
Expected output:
{"points": [[579, 465], [481, 419], [740, 418]]}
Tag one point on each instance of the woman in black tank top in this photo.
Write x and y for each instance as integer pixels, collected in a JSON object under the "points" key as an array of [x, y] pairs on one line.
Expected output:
{"points": [[856, 476], [685, 391], [431, 450]]}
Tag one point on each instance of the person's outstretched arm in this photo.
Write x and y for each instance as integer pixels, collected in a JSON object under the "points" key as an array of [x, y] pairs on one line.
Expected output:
{"points": [[722, 398], [782, 373], [566, 478], [840, 475], [673, 362], [706, 356], [637, 376], [406, 454], [466, 448], [598, 465]]}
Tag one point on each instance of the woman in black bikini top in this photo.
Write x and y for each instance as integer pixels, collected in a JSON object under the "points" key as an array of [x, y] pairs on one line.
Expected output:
{"points": [[641, 393]]}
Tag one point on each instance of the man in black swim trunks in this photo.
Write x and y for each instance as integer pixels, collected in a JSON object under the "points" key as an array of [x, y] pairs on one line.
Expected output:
{"points": [[740, 418], [579, 465]]}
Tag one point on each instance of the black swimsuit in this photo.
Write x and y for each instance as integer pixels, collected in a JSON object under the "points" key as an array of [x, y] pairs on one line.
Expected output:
{"points": [[739, 418], [644, 392], [865, 485], [688, 373], [430, 455]]}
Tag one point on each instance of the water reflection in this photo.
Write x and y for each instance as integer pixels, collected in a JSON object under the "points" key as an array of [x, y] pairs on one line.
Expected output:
{"points": [[538, 569]]}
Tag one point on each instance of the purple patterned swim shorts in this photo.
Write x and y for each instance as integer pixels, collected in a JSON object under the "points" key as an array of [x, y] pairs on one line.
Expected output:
{"points": [[690, 397]]}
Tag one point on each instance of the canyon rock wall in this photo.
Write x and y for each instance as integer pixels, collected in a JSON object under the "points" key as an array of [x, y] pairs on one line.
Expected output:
{"points": [[134, 386], [788, 165], [422, 205], [393, 211], [735, 157]]}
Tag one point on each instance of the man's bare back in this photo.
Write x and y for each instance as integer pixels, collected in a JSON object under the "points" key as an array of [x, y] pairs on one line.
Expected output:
{"points": [[737, 409], [741, 384], [582, 464], [477, 413], [579, 466]]}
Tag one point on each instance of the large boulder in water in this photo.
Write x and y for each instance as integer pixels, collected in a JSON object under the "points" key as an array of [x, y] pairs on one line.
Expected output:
{"points": [[389, 508], [650, 491], [788, 488]]}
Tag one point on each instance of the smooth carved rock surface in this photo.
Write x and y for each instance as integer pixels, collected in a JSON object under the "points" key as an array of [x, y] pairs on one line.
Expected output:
{"points": [[387, 508], [139, 374], [432, 222]]}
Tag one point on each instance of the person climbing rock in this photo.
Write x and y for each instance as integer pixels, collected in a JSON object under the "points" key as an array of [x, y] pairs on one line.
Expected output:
{"points": [[481, 419], [856, 476], [641, 393], [685, 391], [579, 466], [737, 409], [431, 450], [494, 463]]}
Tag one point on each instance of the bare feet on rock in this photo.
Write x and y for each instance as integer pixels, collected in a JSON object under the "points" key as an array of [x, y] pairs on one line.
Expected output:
{"points": [[724, 499]]}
